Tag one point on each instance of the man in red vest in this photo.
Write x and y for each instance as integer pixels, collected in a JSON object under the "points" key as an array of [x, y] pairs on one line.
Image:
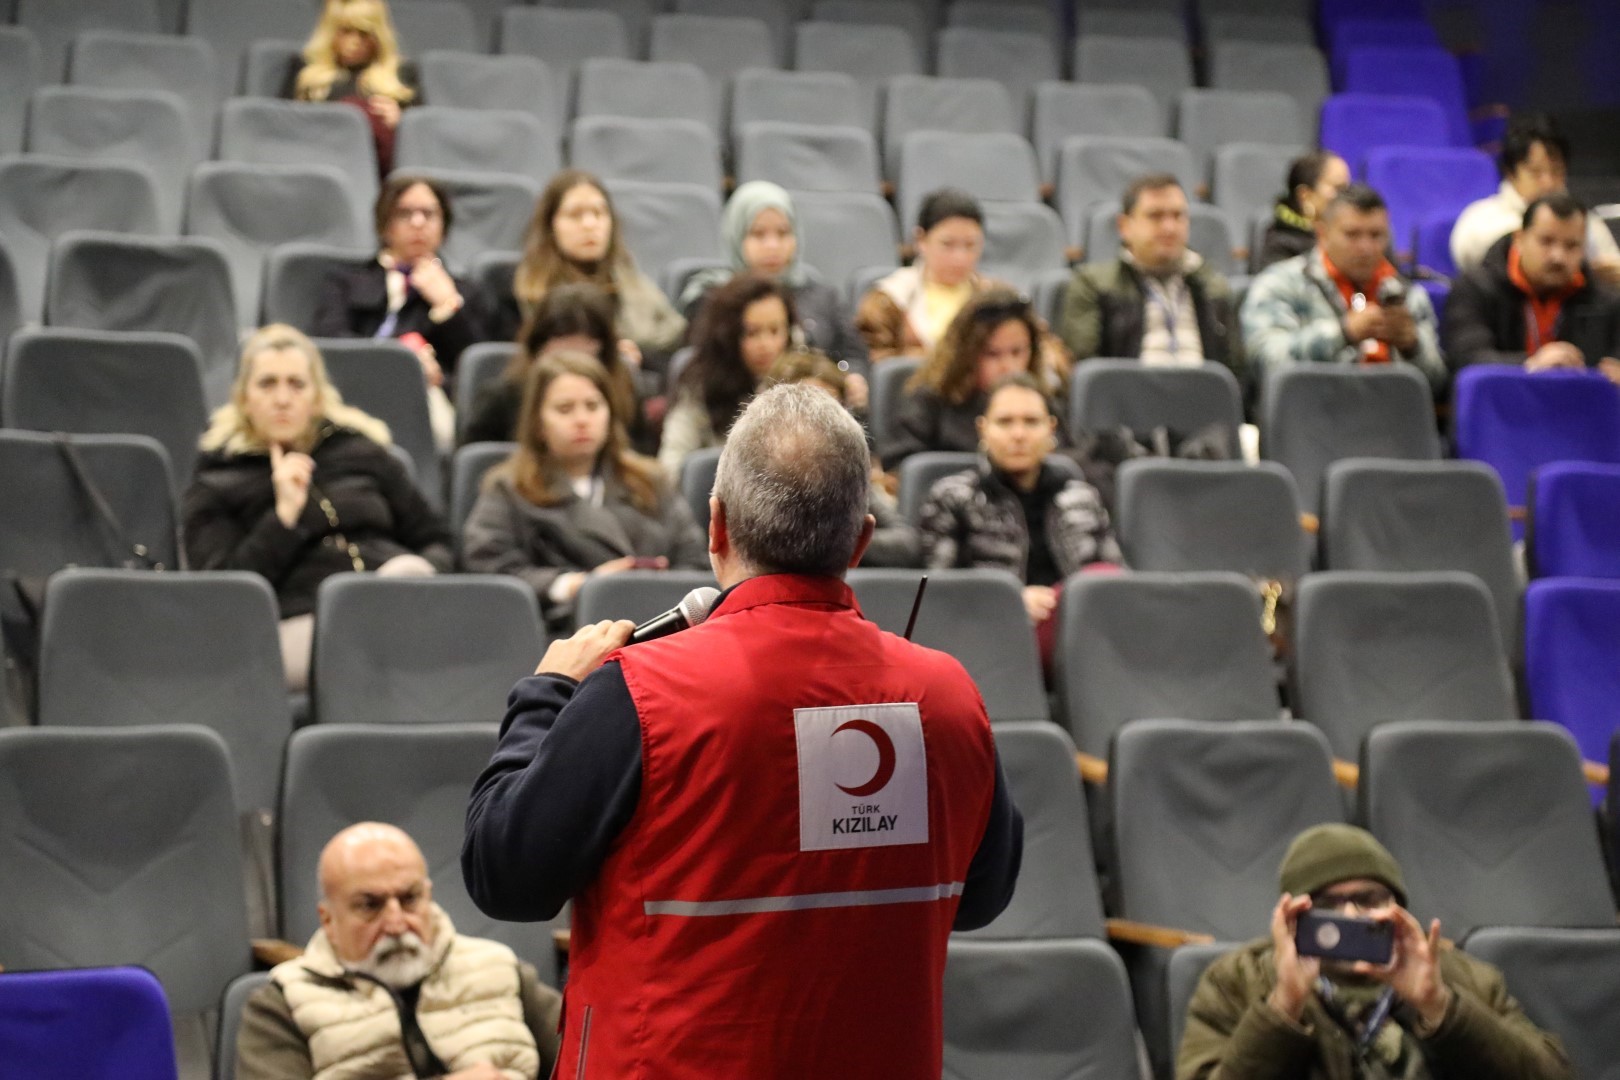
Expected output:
{"points": [[770, 823]]}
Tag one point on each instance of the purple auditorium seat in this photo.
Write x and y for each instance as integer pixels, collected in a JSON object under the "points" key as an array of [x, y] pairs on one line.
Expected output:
{"points": [[1432, 246], [85, 1024], [1571, 637], [1421, 181], [1422, 71], [1355, 124], [1574, 521], [1516, 421], [1357, 33]]}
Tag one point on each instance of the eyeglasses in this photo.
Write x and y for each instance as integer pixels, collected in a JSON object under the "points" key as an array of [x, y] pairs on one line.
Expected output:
{"points": [[411, 213], [1364, 899], [372, 905]]}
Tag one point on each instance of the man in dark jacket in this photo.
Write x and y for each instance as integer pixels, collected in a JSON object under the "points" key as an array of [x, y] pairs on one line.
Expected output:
{"points": [[1263, 1011], [1531, 301], [1158, 301]]}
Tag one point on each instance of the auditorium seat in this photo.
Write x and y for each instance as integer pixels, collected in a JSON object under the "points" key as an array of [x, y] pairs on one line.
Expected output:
{"points": [[520, 83], [263, 132], [1571, 632], [44, 197], [1352, 125], [637, 595], [60, 528], [889, 379], [421, 650], [1422, 182], [252, 209], [470, 463], [1296, 70], [421, 25], [231, 1004], [479, 140], [1018, 59], [1206, 120], [109, 281], [416, 777], [267, 65], [1022, 240], [718, 45], [1574, 521], [384, 378], [635, 16], [1178, 515], [1209, 233], [819, 98], [1037, 1008], [1063, 110], [1314, 414], [1372, 648], [627, 148], [1186, 967], [1567, 982], [990, 166], [664, 222], [1125, 22], [921, 471], [19, 75], [919, 103], [89, 382], [1154, 646], [55, 23], [1272, 28], [1490, 822], [807, 157], [1247, 178], [1095, 169], [647, 91], [294, 275], [231, 26], [868, 49], [1106, 394], [1408, 68], [1161, 65], [93, 1023], [777, 15], [841, 233], [976, 616], [565, 38], [1019, 15], [697, 482], [184, 66]]}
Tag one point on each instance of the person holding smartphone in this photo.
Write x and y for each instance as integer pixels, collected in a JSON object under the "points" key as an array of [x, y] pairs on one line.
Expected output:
{"points": [[1350, 984], [574, 501]]}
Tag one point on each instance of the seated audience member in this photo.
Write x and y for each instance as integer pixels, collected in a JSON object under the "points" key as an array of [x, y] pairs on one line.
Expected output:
{"points": [[760, 234], [906, 313], [575, 318], [353, 57], [1158, 301], [1016, 511], [405, 293], [573, 500], [1344, 302], [1534, 163], [894, 541], [1530, 302], [573, 238], [387, 988], [297, 486], [1313, 181], [995, 335], [1432, 1013], [744, 327]]}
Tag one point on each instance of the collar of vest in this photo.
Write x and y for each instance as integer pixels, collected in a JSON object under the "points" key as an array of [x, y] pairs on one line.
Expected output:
{"points": [[784, 589]]}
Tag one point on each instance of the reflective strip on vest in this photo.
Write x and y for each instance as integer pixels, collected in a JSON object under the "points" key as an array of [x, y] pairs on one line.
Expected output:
{"points": [[805, 901]]}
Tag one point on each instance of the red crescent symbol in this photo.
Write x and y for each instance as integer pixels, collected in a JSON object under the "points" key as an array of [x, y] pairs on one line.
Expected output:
{"points": [[885, 749]]}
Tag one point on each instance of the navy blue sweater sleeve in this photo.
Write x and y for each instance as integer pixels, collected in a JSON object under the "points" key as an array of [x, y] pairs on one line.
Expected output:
{"points": [[563, 783], [994, 869]]}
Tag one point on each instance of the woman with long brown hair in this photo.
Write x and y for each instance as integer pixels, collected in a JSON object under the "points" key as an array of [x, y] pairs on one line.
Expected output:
{"points": [[574, 500], [353, 56], [996, 334], [574, 237]]}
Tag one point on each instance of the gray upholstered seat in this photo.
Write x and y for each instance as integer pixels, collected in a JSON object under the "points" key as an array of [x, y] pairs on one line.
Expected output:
{"points": [[1210, 515]]}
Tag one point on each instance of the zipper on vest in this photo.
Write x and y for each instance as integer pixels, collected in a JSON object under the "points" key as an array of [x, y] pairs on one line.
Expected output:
{"points": [[584, 1043]]}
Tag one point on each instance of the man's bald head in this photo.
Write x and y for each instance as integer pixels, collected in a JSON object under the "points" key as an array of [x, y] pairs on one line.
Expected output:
{"points": [[365, 846], [374, 893]]}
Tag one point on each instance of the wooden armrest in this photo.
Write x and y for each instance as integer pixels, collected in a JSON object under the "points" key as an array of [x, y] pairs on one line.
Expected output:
{"points": [[273, 951], [1074, 254], [563, 940], [1161, 937], [1047, 191], [1310, 523], [1346, 773], [1093, 770], [1597, 773], [1517, 513]]}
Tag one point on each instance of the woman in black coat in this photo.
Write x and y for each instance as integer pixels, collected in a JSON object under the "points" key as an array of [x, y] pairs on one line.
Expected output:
{"points": [[296, 486]]}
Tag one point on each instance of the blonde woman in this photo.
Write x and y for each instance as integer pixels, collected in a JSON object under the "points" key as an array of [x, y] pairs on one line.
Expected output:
{"points": [[297, 486], [353, 56]]}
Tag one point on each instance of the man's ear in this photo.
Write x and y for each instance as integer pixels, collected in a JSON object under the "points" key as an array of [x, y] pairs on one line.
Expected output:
{"points": [[719, 538], [862, 542], [324, 913]]}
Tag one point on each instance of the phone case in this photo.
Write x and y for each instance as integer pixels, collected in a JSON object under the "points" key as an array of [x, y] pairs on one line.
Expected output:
{"points": [[1342, 937]]}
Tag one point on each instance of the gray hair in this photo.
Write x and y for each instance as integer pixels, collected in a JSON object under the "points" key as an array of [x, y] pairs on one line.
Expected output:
{"points": [[793, 479]]}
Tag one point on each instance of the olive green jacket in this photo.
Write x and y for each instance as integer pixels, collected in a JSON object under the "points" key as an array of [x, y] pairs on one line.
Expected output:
{"points": [[1232, 1034]]}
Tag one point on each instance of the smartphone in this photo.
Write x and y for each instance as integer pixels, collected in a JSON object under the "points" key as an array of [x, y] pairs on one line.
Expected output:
{"points": [[1343, 937]]}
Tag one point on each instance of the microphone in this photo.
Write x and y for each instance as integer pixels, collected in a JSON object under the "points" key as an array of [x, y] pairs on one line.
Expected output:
{"points": [[693, 609], [1392, 293]]}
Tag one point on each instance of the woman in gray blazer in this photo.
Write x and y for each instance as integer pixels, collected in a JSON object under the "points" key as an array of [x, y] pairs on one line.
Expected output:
{"points": [[573, 500]]}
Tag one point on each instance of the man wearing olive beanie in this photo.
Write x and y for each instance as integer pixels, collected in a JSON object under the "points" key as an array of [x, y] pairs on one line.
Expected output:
{"points": [[1263, 1012]]}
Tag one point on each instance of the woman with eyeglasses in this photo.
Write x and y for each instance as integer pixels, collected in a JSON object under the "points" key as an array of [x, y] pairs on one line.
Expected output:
{"points": [[353, 57], [996, 334], [574, 238], [1016, 511]]}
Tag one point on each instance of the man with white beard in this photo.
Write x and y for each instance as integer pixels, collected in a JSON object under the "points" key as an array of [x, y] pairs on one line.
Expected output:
{"points": [[387, 989]]}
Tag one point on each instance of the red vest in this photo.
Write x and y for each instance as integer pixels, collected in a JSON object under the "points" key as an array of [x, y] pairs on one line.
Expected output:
{"points": [[729, 934]]}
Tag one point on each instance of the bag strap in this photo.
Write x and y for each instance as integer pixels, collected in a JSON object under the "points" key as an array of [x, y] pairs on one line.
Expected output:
{"points": [[105, 517]]}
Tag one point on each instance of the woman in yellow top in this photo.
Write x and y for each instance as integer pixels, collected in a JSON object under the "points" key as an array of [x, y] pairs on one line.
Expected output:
{"points": [[353, 57]]}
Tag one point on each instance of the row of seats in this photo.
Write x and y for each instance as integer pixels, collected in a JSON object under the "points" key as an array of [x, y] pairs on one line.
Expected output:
{"points": [[1498, 836]]}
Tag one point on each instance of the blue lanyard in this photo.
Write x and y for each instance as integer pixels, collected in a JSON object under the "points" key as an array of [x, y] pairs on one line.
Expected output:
{"points": [[1375, 1019], [1172, 313]]}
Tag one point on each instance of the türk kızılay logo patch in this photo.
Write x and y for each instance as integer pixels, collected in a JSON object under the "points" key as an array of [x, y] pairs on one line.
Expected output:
{"points": [[863, 776]]}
